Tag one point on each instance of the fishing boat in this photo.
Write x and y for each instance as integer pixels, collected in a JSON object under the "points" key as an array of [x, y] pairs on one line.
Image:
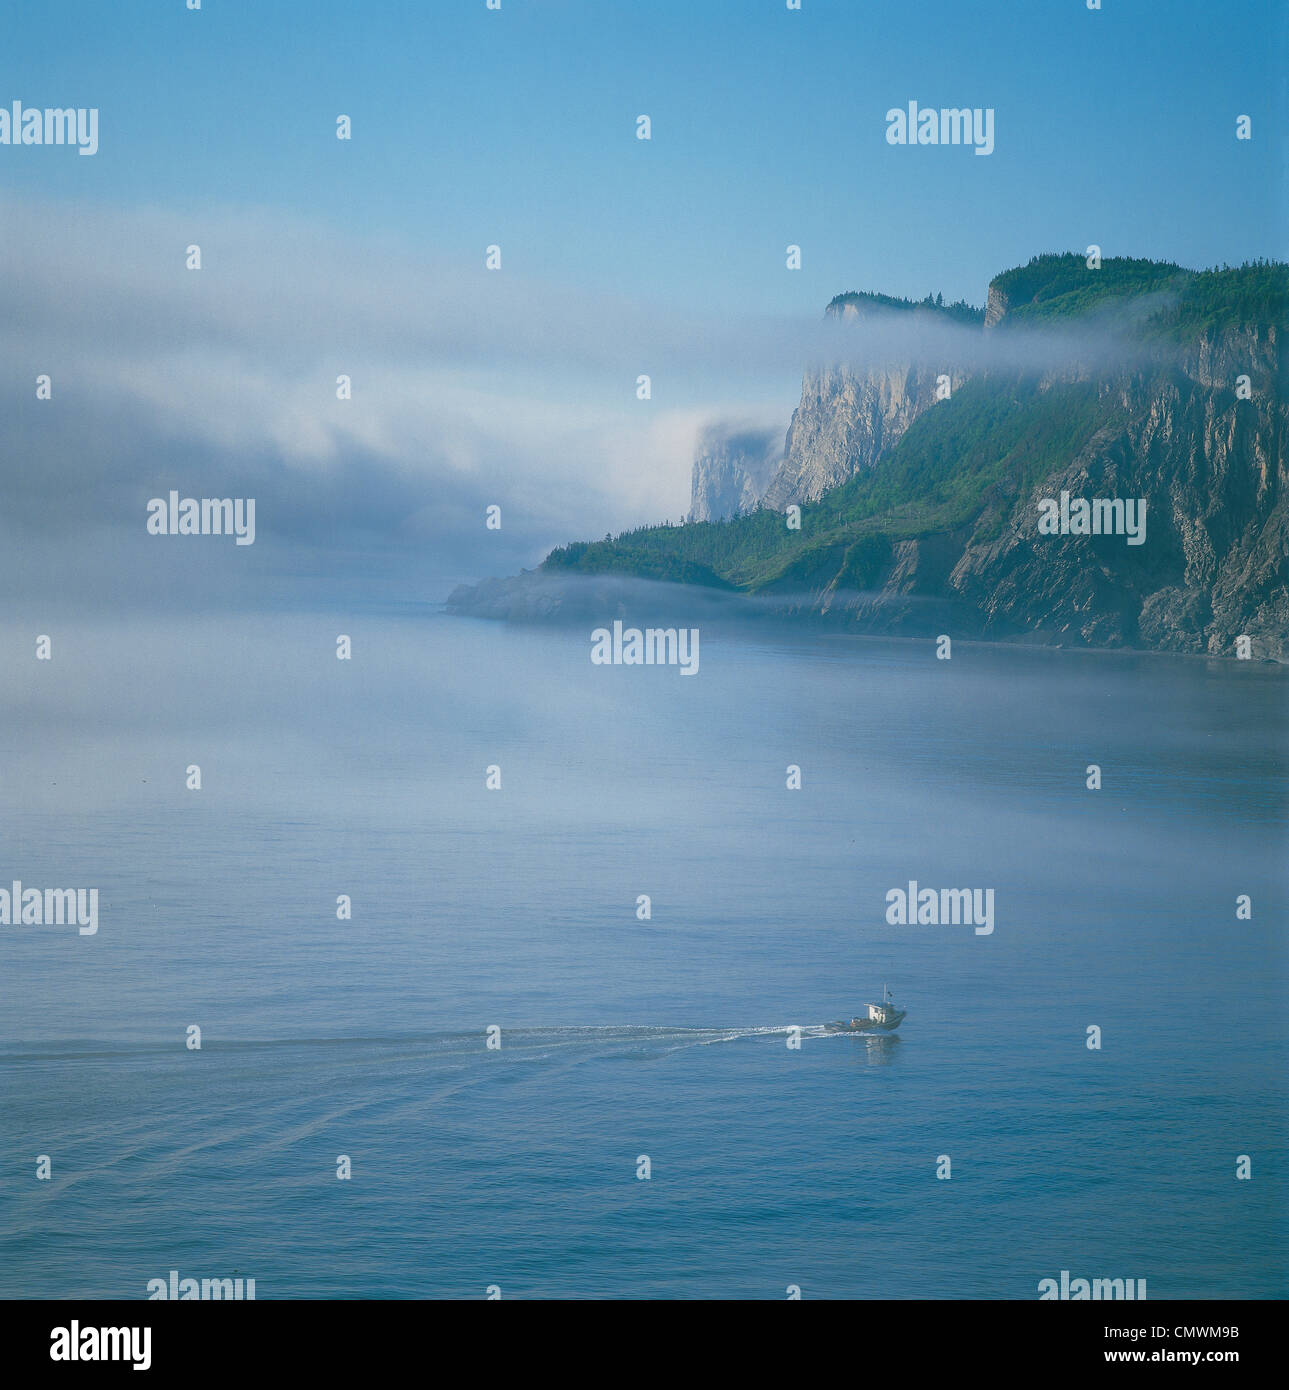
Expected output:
{"points": [[881, 1018]]}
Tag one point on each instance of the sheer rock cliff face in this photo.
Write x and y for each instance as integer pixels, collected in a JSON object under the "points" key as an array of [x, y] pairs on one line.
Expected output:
{"points": [[845, 422], [996, 307], [732, 466]]}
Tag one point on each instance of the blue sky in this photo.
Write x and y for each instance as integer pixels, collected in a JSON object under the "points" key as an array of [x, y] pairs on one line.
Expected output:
{"points": [[517, 127]]}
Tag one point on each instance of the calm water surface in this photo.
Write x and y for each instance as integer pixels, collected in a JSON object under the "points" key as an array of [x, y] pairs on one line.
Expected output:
{"points": [[620, 1038]]}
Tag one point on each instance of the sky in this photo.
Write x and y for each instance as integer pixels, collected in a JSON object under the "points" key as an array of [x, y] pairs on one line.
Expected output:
{"points": [[517, 127]]}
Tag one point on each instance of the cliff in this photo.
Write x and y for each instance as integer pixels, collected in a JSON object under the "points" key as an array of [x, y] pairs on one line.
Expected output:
{"points": [[1211, 469], [844, 424], [848, 418], [732, 467], [922, 515]]}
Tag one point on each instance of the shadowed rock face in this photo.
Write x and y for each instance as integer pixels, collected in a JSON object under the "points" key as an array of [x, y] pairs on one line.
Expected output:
{"points": [[1214, 566], [732, 466], [1212, 469]]}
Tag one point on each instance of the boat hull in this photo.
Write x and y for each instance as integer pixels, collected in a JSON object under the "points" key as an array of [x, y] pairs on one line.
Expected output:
{"points": [[867, 1025]]}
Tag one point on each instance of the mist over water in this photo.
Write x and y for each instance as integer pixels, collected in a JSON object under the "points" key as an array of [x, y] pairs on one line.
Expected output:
{"points": [[517, 908]]}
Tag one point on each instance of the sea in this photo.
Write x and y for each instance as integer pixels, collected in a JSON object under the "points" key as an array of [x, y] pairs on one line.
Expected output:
{"points": [[563, 1036]]}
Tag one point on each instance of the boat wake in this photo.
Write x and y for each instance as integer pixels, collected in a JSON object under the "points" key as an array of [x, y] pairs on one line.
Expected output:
{"points": [[657, 1038], [643, 1038]]}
